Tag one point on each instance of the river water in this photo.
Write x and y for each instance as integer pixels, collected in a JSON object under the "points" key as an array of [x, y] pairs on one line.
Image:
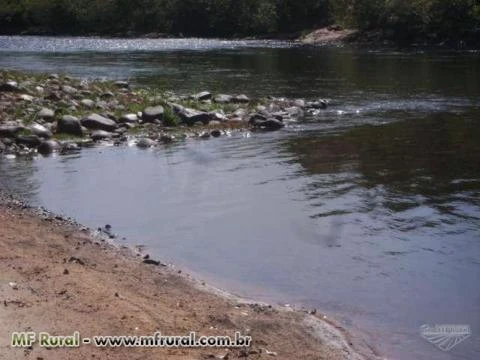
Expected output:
{"points": [[369, 212]]}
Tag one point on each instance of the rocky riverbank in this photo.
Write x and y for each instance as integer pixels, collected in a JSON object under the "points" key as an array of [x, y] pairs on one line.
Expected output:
{"points": [[57, 277], [53, 113]]}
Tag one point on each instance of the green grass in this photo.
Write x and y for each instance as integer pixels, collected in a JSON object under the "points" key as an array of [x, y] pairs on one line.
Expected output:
{"points": [[170, 118]]}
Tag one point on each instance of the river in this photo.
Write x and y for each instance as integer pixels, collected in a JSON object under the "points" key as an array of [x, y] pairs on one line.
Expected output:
{"points": [[369, 211]]}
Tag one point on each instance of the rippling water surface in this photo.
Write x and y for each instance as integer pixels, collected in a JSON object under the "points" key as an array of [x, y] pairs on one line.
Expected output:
{"points": [[369, 211]]}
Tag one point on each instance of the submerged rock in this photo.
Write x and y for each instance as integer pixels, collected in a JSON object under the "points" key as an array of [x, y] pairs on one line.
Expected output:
{"points": [[69, 125], [216, 133], [320, 104], [145, 143], [269, 124], [98, 122]]}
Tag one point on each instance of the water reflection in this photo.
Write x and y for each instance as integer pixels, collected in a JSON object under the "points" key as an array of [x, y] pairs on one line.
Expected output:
{"points": [[433, 156]]}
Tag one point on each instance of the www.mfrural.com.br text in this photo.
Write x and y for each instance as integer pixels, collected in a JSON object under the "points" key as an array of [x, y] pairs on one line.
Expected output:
{"points": [[157, 340]]}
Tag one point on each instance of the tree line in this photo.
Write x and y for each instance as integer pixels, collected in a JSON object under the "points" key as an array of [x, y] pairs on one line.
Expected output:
{"points": [[402, 19]]}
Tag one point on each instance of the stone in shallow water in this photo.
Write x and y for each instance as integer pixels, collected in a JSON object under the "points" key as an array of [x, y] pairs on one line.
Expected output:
{"points": [[269, 124], [216, 133], [30, 141], [48, 147], [153, 113], [98, 122], [145, 143], [101, 135]]}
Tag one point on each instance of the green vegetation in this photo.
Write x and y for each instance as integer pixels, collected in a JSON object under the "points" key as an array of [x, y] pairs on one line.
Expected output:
{"points": [[170, 118], [408, 20], [402, 20]]}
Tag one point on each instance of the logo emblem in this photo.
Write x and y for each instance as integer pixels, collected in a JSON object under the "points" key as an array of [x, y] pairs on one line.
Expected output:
{"points": [[445, 337]]}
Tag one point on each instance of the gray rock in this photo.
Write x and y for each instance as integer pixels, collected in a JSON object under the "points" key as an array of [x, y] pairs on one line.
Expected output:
{"points": [[256, 117], [2, 147], [269, 124], [122, 84], [101, 135], [153, 113], [217, 116], [241, 99], [69, 90], [40, 130], [191, 116], [27, 98], [31, 141], [98, 122], [167, 139], [48, 147], [216, 133], [68, 146], [46, 114], [10, 131], [69, 125], [53, 96], [107, 95], [145, 143], [204, 95], [240, 113], [300, 103], [90, 104], [86, 92], [129, 118], [9, 86], [223, 99], [320, 104], [205, 135], [295, 111]]}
